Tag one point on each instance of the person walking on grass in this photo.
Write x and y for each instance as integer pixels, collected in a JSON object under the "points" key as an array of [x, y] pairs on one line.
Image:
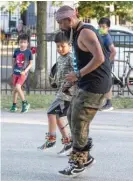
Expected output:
{"points": [[104, 25], [22, 62]]}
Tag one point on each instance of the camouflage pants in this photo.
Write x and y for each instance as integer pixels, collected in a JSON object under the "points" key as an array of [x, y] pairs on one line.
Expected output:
{"points": [[82, 110]]}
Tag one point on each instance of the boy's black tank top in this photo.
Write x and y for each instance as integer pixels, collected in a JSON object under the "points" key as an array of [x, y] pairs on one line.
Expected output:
{"points": [[98, 81]]}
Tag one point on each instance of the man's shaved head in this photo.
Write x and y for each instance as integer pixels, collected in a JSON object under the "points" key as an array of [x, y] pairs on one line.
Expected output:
{"points": [[65, 12], [65, 8]]}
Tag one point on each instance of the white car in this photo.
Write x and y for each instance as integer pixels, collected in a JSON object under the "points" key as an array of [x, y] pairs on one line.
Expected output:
{"points": [[123, 41]]}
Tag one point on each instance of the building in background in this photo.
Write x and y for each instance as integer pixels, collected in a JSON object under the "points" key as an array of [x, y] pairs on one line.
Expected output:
{"points": [[8, 21]]}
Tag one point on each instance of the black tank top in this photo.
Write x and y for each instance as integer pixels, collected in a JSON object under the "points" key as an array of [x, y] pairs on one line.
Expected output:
{"points": [[98, 81]]}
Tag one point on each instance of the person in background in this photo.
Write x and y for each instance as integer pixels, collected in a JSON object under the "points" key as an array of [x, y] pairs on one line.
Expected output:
{"points": [[104, 25], [20, 27], [22, 62], [58, 108]]}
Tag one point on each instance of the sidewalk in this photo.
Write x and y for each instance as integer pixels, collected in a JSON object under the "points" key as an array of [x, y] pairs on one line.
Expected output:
{"points": [[31, 117], [103, 120]]}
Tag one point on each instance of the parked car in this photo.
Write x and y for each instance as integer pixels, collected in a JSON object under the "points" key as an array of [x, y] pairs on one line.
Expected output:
{"points": [[123, 40]]}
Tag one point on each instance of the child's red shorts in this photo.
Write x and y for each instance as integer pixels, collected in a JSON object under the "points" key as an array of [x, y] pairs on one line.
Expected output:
{"points": [[18, 79]]}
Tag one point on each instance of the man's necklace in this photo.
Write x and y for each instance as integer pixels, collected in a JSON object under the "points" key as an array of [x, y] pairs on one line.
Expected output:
{"points": [[74, 31]]}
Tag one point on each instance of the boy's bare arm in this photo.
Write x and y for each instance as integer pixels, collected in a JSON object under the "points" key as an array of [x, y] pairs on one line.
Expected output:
{"points": [[28, 67], [113, 52]]}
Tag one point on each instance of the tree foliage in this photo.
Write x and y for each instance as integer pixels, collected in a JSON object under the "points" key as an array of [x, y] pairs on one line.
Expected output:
{"points": [[12, 5], [57, 3], [23, 5], [97, 9]]}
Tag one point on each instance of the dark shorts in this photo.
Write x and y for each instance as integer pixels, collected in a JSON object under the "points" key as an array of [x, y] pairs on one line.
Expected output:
{"points": [[59, 108]]}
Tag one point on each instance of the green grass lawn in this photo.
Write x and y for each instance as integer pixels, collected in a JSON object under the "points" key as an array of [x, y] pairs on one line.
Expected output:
{"points": [[39, 101], [42, 101], [122, 103]]}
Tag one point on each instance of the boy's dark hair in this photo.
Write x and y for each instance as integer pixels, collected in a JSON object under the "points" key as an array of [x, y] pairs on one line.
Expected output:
{"points": [[61, 37], [23, 36], [104, 21]]}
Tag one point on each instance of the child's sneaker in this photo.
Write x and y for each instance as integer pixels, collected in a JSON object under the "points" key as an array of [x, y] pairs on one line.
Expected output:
{"points": [[13, 108], [67, 146], [25, 107], [50, 142], [107, 107]]}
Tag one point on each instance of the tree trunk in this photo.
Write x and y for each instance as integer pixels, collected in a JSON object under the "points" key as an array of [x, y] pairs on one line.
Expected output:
{"points": [[41, 59]]}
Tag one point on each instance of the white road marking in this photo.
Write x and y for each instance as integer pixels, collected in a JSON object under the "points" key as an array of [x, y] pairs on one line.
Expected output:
{"points": [[94, 127], [118, 111]]}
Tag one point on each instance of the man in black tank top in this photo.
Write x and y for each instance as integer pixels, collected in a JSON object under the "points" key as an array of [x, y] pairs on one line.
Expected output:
{"points": [[92, 71]]}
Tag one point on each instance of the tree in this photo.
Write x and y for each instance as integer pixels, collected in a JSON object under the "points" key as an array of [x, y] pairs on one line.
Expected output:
{"points": [[41, 61], [98, 9], [12, 5], [93, 9]]}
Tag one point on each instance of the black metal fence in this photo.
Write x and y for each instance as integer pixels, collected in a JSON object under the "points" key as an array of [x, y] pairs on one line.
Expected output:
{"points": [[124, 48]]}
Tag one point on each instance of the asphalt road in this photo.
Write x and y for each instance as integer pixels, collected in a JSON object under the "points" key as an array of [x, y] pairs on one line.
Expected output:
{"points": [[112, 134]]}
